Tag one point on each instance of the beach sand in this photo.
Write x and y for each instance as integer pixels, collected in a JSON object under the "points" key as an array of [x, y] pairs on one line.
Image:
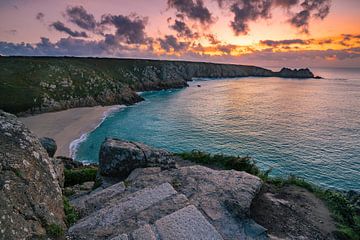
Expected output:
{"points": [[66, 126]]}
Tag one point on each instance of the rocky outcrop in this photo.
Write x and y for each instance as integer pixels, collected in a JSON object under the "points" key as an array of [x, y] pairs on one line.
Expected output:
{"points": [[30, 195], [118, 158], [60, 83], [189, 202], [49, 144], [295, 73]]}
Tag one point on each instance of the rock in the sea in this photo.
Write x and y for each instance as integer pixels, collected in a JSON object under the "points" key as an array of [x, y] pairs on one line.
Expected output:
{"points": [[118, 158], [30, 195], [289, 73], [49, 144]]}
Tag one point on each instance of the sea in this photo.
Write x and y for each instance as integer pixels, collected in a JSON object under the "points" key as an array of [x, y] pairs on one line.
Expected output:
{"points": [[309, 128]]}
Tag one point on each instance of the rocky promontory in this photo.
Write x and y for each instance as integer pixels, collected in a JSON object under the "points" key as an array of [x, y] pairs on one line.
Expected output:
{"points": [[30, 85]]}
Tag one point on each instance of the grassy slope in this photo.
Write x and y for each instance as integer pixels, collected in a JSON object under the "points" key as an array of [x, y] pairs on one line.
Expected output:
{"points": [[27, 82]]}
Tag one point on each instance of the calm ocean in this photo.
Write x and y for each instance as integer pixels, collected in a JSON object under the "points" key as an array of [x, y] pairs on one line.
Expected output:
{"points": [[308, 128]]}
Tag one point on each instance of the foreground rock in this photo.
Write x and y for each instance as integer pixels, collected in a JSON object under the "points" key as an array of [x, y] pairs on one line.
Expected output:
{"points": [[291, 212], [30, 195], [118, 158], [189, 202], [49, 144]]}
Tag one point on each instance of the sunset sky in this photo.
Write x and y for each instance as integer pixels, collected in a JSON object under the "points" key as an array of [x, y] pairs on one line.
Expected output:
{"points": [[293, 33]]}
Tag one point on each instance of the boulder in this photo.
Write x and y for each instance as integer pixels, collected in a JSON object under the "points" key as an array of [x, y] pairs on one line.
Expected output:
{"points": [[49, 144], [30, 195], [224, 196], [69, 163], [118, 158]]}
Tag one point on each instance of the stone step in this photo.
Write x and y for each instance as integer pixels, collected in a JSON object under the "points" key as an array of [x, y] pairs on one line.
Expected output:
{"points": [[89, 203], [145, 232], [127, 214], [186, 224]]}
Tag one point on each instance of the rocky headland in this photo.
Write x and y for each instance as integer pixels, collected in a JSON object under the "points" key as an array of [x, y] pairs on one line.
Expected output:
{"points": [[30, 85], [140, 192]]}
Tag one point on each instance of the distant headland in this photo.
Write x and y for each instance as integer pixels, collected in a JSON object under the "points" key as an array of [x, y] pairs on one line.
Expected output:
{"points": [[30, 85]]}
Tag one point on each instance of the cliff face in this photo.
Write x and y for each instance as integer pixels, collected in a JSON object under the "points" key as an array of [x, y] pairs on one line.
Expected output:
{"points": [[30, 194], [40, 84]]}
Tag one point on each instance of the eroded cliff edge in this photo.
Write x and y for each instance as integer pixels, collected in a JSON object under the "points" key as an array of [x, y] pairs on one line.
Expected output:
{"points": [[42, 84]]}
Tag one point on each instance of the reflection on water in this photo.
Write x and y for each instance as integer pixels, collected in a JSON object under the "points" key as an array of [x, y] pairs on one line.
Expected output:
{"points": [[310, 128]]}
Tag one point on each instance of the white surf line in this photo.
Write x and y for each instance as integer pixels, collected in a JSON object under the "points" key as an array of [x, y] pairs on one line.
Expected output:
{"points": [[74, 145]]}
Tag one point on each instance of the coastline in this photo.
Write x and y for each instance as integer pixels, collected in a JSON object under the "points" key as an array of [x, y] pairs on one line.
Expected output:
{"points": [[68, 127]]}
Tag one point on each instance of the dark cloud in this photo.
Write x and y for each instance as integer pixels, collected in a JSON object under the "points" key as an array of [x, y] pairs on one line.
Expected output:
{"points": [[59, 26], [226, 49], [182, 29], [248, 10], [171, 42], [79, 16], [40, 16], [72, 47], [194, 10], [64, 47], [286, 3], [212, 39], [273, 43], [346, 38], [310, 8], [130, 29]]}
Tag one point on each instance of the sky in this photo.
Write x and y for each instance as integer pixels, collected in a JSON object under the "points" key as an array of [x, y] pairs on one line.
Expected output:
{"points": [[289, 33]]}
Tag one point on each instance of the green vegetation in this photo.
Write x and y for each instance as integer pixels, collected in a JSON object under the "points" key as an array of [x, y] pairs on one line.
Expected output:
{"points": [[71, 216], [51, 83], [79, 176], [223, 161], [54, 230], [342, 210], [29, 83]]}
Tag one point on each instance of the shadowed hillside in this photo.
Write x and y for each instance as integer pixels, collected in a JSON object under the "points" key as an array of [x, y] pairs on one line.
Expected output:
{"points": [[43, 84]]}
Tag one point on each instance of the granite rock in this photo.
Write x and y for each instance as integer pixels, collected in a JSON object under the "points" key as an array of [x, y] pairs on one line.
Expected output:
{"points": [[118, 158], [30, 194], [49, 144]]}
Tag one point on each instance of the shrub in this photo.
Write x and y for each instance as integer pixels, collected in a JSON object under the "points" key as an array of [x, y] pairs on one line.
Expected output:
{"points": [[71, 216], [54, 230], [79, 176], [227, 162]]}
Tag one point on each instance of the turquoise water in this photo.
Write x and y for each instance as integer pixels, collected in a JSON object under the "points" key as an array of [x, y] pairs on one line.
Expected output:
{"points": [[309, 128]]}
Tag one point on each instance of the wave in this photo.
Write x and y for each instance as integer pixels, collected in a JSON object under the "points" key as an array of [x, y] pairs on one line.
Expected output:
{"points": [[74, 145]]}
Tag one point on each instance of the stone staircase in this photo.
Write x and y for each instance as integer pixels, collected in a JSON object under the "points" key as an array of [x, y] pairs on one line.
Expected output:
{"points": [[151, 213]]}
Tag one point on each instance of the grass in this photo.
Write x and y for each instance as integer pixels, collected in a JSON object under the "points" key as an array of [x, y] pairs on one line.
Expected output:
{"points": [[246, 164], [71, 216], [341, 209], [54, 230], [79, 176], [343, 212]]}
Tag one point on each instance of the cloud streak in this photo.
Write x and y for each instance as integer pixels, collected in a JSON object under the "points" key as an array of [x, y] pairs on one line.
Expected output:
{"points": [[59, 26]]}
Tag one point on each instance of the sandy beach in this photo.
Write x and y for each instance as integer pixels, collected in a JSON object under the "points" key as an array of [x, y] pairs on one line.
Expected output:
{"points": [[68, 125]]}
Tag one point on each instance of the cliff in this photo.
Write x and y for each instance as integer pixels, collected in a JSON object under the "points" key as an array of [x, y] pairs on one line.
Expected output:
{"points": [[43, 84]]}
